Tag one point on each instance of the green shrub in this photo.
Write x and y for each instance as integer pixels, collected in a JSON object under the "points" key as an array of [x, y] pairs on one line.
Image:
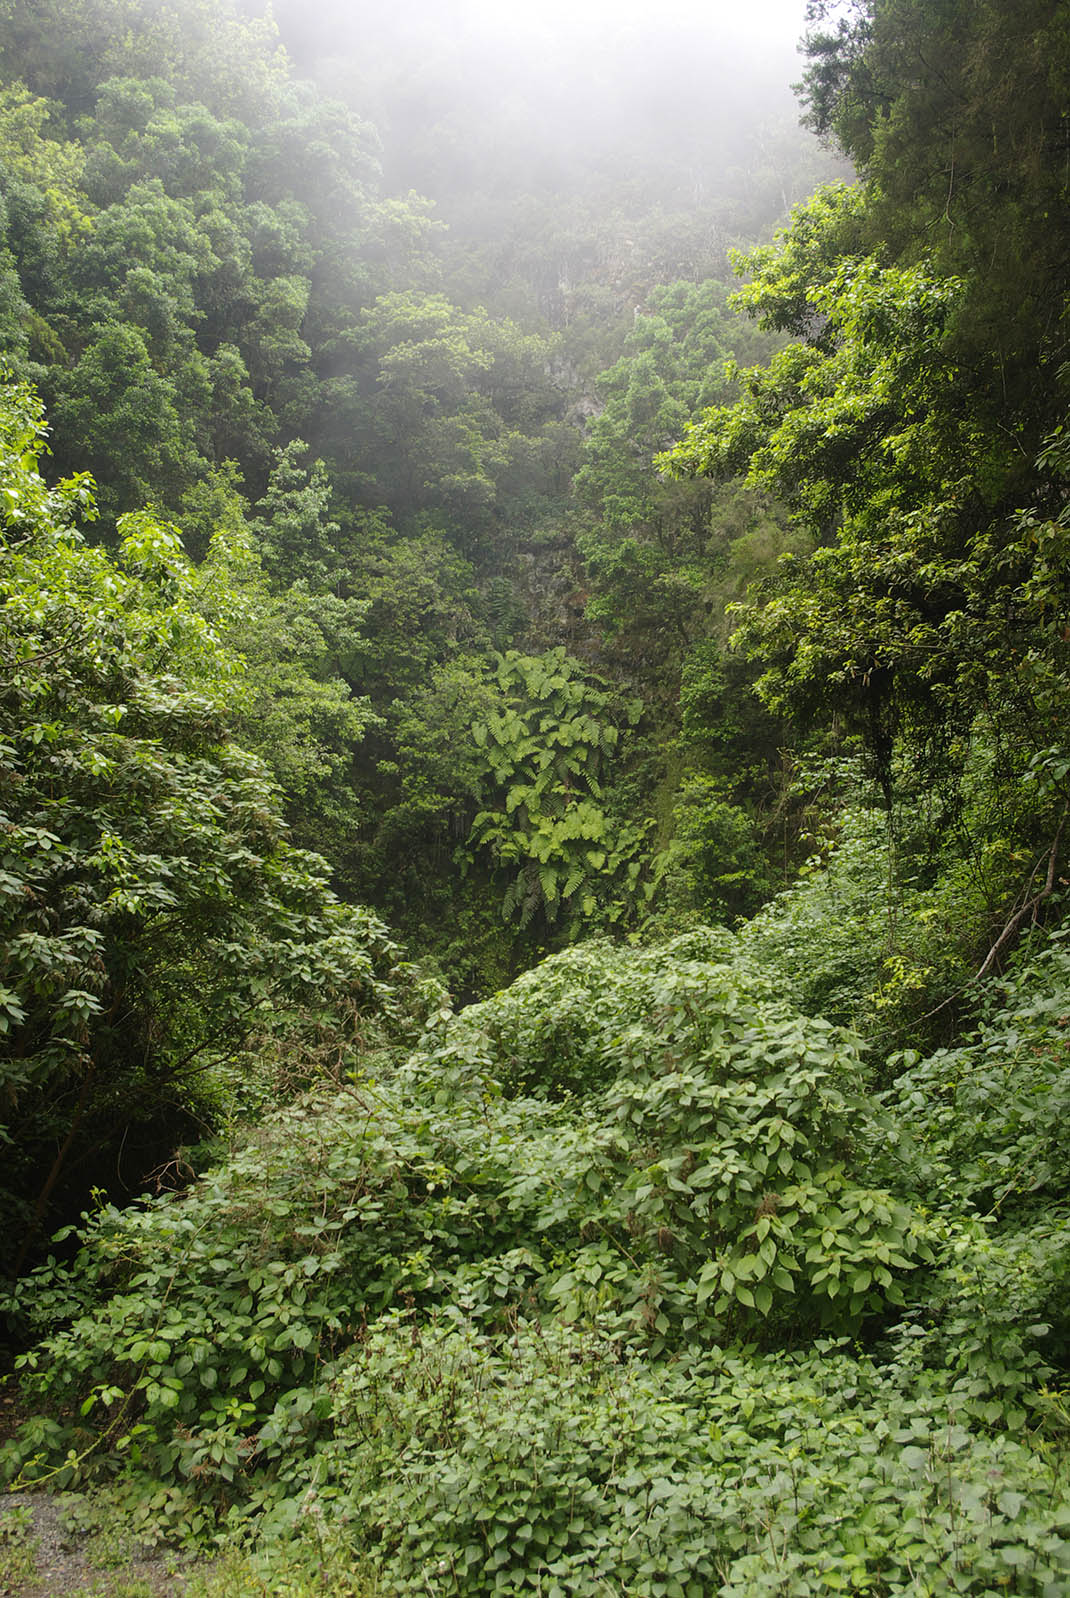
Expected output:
{"points": [[712, 1184], [562, 1304], [554, 1462], [988, 1115]]}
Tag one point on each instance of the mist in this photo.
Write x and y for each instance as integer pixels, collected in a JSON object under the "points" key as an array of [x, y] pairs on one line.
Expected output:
{"points": [[565, 81]]}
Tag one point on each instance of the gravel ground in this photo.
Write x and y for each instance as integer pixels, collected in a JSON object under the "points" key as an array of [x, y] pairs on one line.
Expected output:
{"points": [[67, 1563], [43, 1557]]}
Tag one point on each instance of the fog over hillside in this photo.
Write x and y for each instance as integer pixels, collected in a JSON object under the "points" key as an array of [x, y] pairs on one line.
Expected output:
{"points": [[554, 85], [588, 132]]}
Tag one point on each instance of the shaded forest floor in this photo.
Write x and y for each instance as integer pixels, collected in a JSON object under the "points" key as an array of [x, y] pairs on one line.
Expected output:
{"points": [[42, 1554]]}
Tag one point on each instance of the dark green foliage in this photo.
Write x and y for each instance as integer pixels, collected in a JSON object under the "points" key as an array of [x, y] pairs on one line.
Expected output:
{"points": [[905, 437], [663, 558], [501, 811], [661, 554], [955, 113], [154, 913], [548, 746], [908, 618], [716, 852]]}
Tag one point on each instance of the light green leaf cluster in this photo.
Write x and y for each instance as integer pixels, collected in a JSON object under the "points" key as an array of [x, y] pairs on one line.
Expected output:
{"points": [[550, 830]]}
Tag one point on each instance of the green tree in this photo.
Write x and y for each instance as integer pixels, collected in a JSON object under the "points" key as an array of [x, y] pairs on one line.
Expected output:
{"points": [[292, 527], [153, 912], [444, 405], [954, 114], [906, 427], [861, 429], [117, 405]]}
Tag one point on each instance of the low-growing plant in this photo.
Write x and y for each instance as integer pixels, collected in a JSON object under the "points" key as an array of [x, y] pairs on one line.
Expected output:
{"points": [[317, 1564], [554, 1461], [17, 1549]]}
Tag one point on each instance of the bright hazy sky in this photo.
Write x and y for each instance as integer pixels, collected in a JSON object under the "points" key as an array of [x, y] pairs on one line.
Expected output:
{"points": [[528, 37], [770, 19], [604, 73], [535, 24]]}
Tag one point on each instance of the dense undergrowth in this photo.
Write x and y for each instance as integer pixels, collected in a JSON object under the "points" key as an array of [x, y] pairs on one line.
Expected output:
{"points": [[624, 1281]]}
